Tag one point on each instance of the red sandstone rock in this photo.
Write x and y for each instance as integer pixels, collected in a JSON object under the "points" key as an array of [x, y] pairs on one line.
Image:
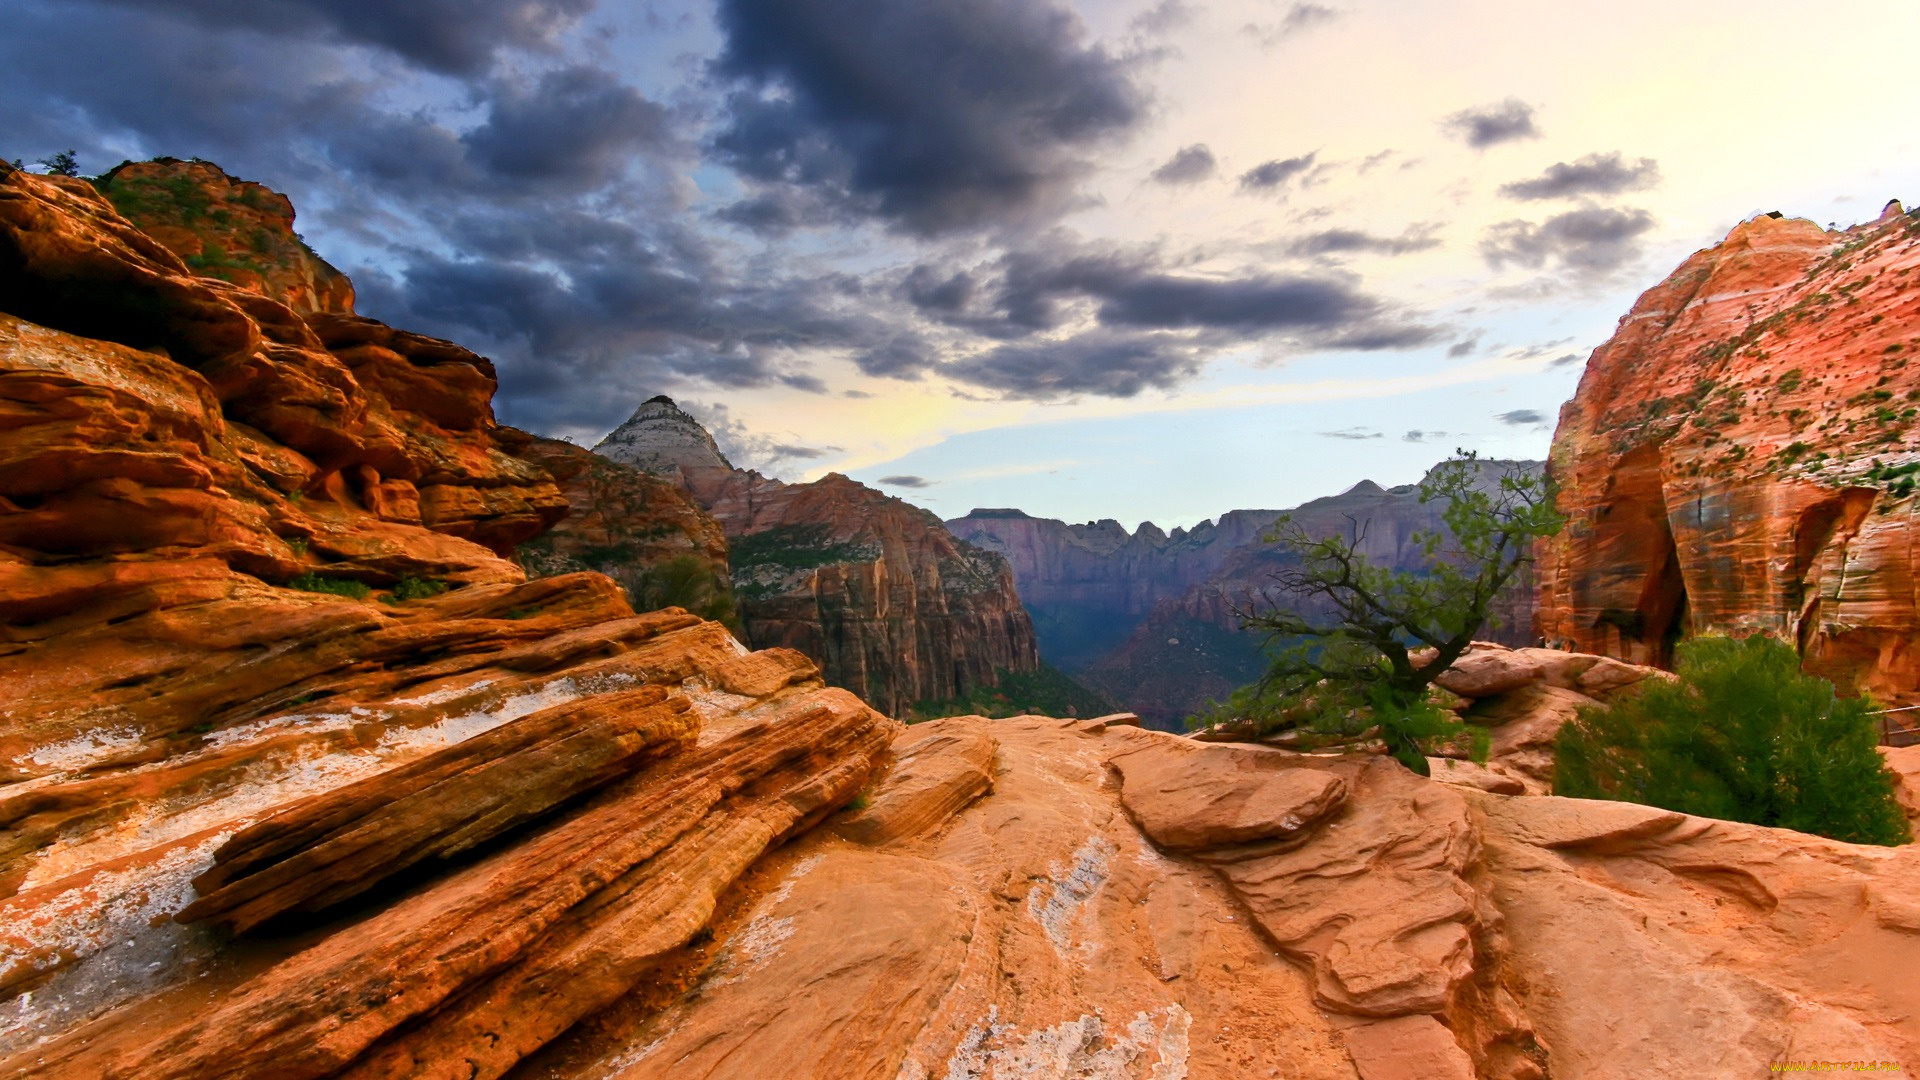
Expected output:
{"points": [[888, 602], [642, 530], [227, 228], [936, 771], [335, 846], [1725, 463]]}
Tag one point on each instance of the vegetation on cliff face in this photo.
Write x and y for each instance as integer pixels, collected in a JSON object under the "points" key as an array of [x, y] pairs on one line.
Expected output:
{"points": [[1741, 736], [637, 529], [1043, 692], [1358, 645]]}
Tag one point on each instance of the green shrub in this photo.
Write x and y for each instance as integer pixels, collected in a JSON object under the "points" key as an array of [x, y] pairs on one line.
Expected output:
{"points": [[1742, 736], [312, 582], [413, 588]]}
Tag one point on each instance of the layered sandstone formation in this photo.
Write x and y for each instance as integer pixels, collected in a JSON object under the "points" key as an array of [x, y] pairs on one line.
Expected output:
{"points": [[1175, 637], [1074, 899], [1739, 457], [642, 530], [227, 228], [299, 776], [877, 591]]}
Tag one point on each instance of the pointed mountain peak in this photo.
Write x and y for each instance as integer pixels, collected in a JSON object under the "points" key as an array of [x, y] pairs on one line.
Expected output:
{"points": [[661, 437]]}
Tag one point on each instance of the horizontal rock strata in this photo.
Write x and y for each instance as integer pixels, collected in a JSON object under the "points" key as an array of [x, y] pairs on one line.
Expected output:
{"points": [[1739, 457]]}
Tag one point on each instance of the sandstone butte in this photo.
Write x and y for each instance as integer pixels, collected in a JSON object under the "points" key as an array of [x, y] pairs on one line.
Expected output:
{"points": [[1150, 618], [1740, 457], [516, 829], [877, 591]]}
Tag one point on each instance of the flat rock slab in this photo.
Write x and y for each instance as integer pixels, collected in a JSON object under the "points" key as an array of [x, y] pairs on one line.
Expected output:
{"points": [[938, 768], [1186, 796]]}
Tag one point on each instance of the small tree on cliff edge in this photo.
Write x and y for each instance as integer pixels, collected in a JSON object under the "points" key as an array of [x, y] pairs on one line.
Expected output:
{"points": [[1348, 631]]}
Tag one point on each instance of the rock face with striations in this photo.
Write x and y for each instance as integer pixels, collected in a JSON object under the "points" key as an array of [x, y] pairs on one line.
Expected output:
{"points": [[1740, 457], [876, 590], [1070, 899], [433, 832], [227, 228], [1149, 618]]}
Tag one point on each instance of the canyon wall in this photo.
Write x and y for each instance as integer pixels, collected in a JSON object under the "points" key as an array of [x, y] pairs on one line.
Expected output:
{"points": [[1086, 585], [1149, 618], [1740, 458], [877, 591]]}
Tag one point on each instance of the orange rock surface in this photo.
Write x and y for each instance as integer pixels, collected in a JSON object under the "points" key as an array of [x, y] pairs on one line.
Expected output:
{"points": [[894, 606], [227, 228], [642, 530], [1405, 930], [1739, 457]]}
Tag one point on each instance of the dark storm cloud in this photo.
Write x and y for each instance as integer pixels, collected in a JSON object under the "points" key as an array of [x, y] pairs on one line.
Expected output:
{"points": [[1272, 174], [453, 36], [1190, 164], [905, 357], [930, 291], [1594, 174], [577, 126], [1591, 240], [1489, 125], [531, 211], [1520, 417], [906, 481], [935, 116], [1133, 291], [1102, 363], [1354, 241]]}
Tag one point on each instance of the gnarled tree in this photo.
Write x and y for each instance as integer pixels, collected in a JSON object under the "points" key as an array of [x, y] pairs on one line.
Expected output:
{"points": [[1356, 646]]}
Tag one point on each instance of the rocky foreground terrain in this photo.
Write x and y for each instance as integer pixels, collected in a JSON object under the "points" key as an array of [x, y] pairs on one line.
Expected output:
{"points": [[1741, 456], [1150, 618]]}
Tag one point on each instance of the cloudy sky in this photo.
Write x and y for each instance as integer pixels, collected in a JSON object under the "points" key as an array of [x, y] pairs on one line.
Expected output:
{"points": [[1139, 259]]}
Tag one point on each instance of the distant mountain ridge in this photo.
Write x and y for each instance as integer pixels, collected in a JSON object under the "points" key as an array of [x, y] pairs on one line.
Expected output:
{"points": [[1148, 617]]}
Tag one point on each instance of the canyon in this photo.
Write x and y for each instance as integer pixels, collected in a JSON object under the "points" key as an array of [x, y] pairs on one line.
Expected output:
{"points": [[303, 775], [1739, 458], [886, 600], [1150, 617]]}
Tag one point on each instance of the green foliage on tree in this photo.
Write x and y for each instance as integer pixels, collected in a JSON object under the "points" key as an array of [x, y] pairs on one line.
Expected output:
{"points": [[1348, 636], [1743, 735], [61, 164]]}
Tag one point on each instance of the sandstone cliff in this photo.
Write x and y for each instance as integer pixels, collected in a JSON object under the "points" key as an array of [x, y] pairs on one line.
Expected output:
{"points": [[1046, 899], [1739, 457], [227, 228], [1164, 604], [642, 530], [877, 591], [258, 822]]}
